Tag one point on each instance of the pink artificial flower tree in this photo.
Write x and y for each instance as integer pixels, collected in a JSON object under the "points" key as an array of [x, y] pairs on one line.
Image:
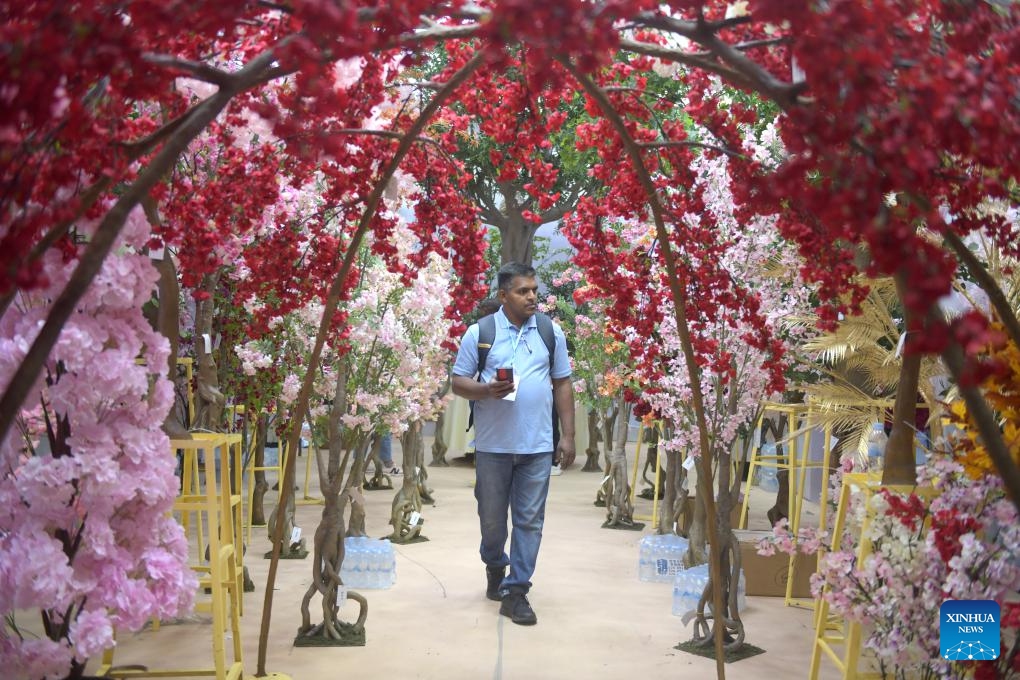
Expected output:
{"points": [[86, 539]]}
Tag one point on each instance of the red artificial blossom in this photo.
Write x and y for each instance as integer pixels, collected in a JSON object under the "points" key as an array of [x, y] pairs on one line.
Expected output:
{"points": [[622, 274], [914, 103]]}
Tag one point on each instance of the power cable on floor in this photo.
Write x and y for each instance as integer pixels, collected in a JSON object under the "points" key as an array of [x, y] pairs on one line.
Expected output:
{"points": [[427, 570]]}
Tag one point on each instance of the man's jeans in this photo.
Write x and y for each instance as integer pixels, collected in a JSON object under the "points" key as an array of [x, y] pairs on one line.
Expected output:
{"points": [[520, 482]]}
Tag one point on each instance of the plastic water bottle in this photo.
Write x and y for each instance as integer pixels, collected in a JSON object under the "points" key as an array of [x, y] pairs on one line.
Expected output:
{"points": [[877, 441], [389, 564], [350, 568], [646, 568], [369, 563]]}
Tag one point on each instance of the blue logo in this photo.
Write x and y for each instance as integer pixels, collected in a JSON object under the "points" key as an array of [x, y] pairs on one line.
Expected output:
{"points": [[969, 630]]}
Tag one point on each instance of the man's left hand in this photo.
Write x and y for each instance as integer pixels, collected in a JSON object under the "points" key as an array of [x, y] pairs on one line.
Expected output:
{"points": [[564, 456]]}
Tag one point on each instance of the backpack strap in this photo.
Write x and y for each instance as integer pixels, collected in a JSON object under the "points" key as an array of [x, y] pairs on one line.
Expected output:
{"points": [[545, 329], [486, 336]]}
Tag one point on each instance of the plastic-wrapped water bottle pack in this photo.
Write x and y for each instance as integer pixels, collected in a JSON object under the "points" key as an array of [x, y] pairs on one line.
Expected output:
{"points": [[368, 563], [690, 584], [661, 557]]}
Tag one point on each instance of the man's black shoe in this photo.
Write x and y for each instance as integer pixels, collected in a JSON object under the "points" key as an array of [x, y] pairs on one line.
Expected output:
{"points": [[494, 577], [516, 606]]}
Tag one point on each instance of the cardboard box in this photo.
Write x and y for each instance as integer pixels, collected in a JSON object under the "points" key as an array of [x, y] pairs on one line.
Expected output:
{"points": [[767, 576]]}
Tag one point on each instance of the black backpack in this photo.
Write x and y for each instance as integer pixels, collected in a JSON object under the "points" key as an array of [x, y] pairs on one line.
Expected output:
{"points": [[487, 335]]}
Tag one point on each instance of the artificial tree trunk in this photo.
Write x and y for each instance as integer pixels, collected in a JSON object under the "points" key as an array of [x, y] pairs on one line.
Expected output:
{"points": [[290, 548], [439, 445], [898, 466], [650, 436], [729, 562], [518, 234], [606, 440], [591, 463], [781, 509], [619, 509], [405, 515], [674, 507], [168, 322], [416, 459], [328, 545], [380, 478], [258, 494], [209, 401]]}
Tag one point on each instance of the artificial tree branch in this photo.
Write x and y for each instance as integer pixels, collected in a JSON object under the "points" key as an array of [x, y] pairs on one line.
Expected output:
{"points": [[987, 283], [689, 143], [195, 69], [101, 243], [784, 94], [689, 28], [556, 213], [738, 68], [898, 466], [330, 307], [683, 330], [984, 418], [687, 59], [390, 134], [55, 233], [749, 45]]}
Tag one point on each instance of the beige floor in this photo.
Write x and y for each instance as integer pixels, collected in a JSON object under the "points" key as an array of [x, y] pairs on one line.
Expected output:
{"points": [[596, 619]]}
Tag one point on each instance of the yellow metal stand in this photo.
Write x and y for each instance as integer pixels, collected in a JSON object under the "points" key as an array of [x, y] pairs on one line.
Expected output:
{"points": [[281, 460], [213, 505], [800, 425], [658, 475], [233, 445], [306, 497], [832, 631]]}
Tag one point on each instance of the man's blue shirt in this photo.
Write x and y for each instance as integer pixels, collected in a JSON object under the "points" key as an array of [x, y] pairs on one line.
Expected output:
{"points": [[525, 424]]}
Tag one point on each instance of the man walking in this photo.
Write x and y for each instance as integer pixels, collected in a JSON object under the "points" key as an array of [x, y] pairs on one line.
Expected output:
{"points": [[514, 395]]}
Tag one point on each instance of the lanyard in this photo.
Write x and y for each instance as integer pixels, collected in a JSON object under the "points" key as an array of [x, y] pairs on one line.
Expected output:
{"points": [[515, 342]]}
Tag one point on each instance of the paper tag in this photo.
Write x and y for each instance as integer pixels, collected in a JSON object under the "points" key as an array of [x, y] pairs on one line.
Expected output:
{"points": [[415, 518], [689, 463], [899, 345], [341, 595], [295, 535], [208, 343], [157, 253]]}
